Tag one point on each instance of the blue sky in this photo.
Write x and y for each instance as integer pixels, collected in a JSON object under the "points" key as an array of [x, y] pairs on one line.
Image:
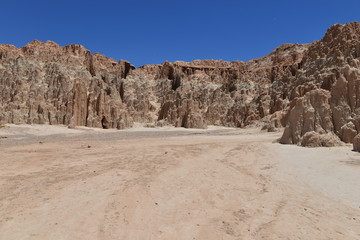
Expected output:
{"points": [[147, 32]]}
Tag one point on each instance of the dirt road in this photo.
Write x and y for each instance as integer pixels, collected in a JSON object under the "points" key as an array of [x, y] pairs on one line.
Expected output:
{"points": [[173, 184]]}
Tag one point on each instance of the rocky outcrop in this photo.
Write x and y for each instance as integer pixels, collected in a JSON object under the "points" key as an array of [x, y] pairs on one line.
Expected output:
{"points": [[356, 143], [215, 92], [306, 88], [45, 83], [314, 139], [326, 91], [309, 113]]}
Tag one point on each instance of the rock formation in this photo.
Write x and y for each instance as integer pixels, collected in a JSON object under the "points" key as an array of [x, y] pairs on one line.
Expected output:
{"points": [[356, 143], [306, 88], [45, 83], [314, 139], [326, 90]]}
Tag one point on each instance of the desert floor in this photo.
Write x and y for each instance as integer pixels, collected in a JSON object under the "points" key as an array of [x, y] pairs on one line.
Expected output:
{"points": [[220, 183]]}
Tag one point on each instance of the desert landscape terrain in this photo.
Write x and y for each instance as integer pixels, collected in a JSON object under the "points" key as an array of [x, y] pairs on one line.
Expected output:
{"points": [[95, 148], [173, 183]]}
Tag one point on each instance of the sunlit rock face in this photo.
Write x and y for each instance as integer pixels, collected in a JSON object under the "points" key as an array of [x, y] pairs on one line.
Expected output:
{"points": [[46, 83], [302, 87], [326, 90]]}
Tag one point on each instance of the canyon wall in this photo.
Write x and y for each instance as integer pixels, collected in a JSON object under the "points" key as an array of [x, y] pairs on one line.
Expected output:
{"points": [[306, 88], [45, 83], [325, 96]]}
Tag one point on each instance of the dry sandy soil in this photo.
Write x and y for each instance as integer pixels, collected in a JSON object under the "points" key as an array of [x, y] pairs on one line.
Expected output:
{"points": [[60, 183]]}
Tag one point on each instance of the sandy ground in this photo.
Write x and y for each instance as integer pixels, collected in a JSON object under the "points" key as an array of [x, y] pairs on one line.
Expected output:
{"points": [[60, 183]]}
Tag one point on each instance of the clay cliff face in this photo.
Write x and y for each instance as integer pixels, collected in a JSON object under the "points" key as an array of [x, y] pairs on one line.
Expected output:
{"points": [[45, 83], [326, 91], [302, 87], [210, 92]]}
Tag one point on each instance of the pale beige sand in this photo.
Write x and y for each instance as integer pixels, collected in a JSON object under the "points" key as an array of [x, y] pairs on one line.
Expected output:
{"points": [[173, 184]]}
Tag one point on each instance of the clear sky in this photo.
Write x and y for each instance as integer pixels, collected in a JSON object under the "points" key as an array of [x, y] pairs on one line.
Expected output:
{"points": [[146, 32]]}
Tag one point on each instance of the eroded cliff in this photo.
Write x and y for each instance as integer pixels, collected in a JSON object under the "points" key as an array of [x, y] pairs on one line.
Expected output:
{"points": [[326, 90], [306, 88]]}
